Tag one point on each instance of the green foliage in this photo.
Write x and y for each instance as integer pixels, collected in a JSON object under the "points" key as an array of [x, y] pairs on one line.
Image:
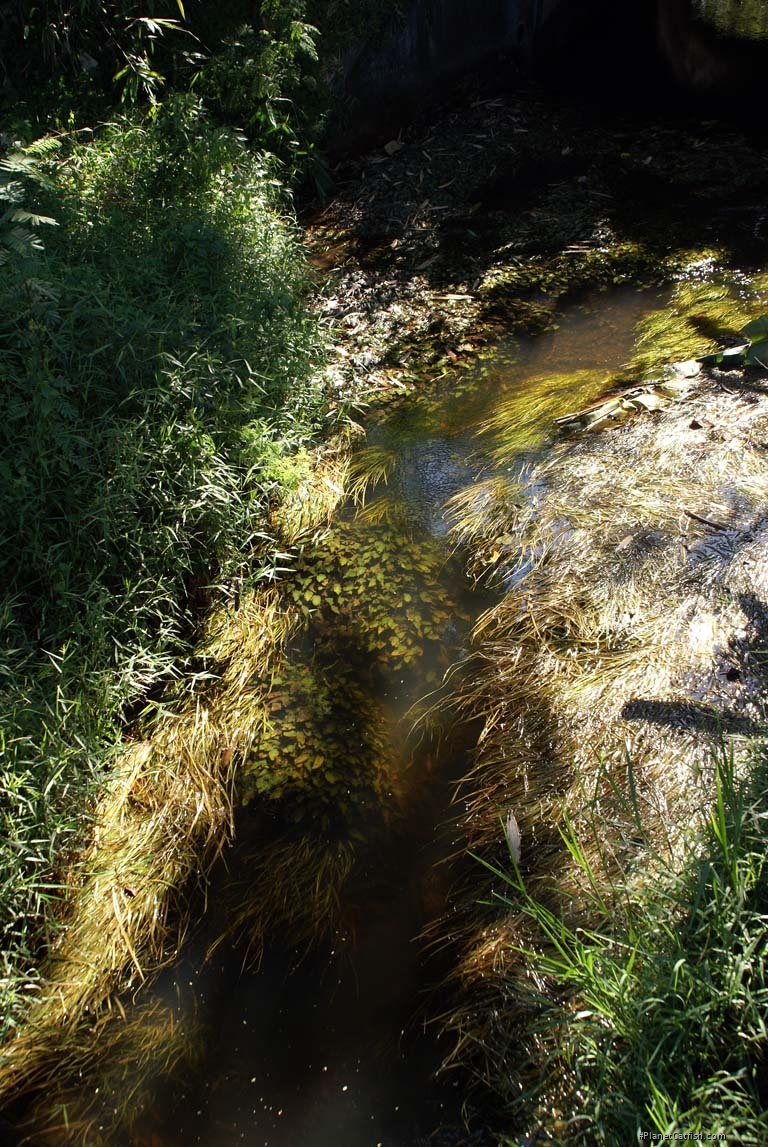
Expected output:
{"points": [[157, 362], [380, 587], [266, 81], [19, 172], [102, 39], [753, 353], [662, 1024], [329, 748], [272, 77]]}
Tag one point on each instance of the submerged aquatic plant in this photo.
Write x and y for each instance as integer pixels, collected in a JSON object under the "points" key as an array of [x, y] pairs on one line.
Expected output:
{"points": [[706, 311], [370, 602]]}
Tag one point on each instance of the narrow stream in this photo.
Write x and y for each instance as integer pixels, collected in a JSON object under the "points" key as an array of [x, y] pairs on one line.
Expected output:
{"points": [[331, 1046]]}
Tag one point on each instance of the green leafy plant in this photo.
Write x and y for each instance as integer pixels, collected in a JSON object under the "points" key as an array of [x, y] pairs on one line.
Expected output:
{"points": [[101, 39], [752, 353], [653, 1015], [266, 82], [373, 604], [157, 361], [21, 173]]}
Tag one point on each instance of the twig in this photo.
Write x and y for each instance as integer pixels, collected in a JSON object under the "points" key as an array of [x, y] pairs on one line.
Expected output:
{"points": [[705, 521]]}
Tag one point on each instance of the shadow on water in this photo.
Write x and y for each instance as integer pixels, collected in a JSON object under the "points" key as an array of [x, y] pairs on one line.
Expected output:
{"points": [[331, 1042], [331, 1046]]}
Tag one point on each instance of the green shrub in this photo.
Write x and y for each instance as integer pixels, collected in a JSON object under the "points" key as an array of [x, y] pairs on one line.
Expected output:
{"points": [[267, 82], [155, 362], [102, 40]]}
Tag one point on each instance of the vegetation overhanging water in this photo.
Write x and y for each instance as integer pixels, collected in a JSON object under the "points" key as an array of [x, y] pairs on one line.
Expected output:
{"points": [[149, 455], [323, 1027]]}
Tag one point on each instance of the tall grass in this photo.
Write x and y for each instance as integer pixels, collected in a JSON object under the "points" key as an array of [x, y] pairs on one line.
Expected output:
{"points": [[156, 374], [653, 1017]]}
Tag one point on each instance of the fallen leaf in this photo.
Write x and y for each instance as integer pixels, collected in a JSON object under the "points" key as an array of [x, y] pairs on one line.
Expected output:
{"points": [[512, 833], [649, 401]]}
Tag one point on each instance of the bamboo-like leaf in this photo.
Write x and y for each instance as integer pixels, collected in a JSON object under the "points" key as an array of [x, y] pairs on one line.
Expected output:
{"points": [[19, 215]]}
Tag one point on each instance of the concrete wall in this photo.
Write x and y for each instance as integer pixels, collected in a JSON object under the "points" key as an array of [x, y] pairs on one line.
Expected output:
{"points": [[431, 42]]}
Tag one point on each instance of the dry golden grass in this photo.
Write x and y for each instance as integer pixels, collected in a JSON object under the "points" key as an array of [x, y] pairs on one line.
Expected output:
{"points": [[635, 567], [158, 830], [170, 812], [312, 504], [136, 1056], [369, 466]]}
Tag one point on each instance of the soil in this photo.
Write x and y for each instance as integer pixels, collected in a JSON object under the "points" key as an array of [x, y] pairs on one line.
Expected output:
{"points": [[487, 213]]}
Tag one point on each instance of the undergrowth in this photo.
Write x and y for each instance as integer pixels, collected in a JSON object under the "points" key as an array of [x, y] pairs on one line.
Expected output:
{"points": [[157, 376], [653, 1018]]}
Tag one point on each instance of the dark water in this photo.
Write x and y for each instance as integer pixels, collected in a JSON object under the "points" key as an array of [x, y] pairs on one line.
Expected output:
{"points": [[329, 1047], [332, 1047]]}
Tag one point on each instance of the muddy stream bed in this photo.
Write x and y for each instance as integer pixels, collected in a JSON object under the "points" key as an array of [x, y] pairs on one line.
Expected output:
{"points": [[337, 1042]]}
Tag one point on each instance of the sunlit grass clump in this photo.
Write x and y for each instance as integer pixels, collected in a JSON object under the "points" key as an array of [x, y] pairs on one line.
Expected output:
{"points": [[653, 1017]]}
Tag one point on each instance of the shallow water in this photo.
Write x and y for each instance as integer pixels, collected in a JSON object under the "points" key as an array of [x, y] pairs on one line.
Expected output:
{"points": [[331, 1046], [435, 436]]}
